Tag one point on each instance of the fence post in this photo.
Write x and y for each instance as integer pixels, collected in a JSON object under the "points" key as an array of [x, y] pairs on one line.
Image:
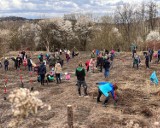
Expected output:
{"points": [[70, 116]]}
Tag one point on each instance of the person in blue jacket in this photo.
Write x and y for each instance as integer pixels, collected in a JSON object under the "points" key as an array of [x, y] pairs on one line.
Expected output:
{"points": [[106, 88]]}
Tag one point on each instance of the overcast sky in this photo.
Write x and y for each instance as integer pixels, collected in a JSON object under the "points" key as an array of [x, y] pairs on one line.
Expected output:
{"points": [[53, 8]]}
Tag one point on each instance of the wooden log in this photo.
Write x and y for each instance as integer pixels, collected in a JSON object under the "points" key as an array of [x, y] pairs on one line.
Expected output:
{"points": [[70, 116]]}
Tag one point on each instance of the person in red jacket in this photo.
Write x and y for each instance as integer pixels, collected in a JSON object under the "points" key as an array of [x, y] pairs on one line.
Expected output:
{"points": [[87, 65]]}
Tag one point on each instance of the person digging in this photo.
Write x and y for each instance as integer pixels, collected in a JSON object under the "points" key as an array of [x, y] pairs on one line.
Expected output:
{"points": [[107, 89]]}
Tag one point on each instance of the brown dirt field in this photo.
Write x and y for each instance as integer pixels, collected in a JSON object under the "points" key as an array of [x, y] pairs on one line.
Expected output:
{"points": [[138, 105]]}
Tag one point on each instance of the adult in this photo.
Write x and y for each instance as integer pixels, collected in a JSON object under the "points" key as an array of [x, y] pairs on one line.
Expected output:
{"points": [[133, 52], [67, 57], [107, 89], [151, 54], [106, 67], [147, 59], [58, 71], [40, 57], [6, 63], [80, 73], [100, 62], [29, 63], [73, 53], [158, 55], [23, 54], [42, 72], [60, 51], [18, 62]]}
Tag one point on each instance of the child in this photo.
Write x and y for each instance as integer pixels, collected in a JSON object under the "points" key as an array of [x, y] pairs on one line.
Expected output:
{"points": [[50, 76], [67, 76], [136, 61]]}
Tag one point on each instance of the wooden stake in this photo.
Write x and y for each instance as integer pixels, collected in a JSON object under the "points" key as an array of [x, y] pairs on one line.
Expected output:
{"points": [[70, 116]]}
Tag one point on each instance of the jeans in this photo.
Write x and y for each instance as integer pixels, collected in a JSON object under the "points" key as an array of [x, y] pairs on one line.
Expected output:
{"points": [[136, 65], [42, 78], [58, 78], [79, 84], [147, 64], [106, 73], [99, 96], [29, 68], [6, 67]]}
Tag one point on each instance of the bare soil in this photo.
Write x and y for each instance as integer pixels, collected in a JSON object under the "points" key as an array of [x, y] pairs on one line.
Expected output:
{"points": [[138, 105]]}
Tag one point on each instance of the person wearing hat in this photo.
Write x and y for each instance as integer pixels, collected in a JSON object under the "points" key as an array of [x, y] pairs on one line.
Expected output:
{"points": [[6, 63], [107, 89], [80, 73]]}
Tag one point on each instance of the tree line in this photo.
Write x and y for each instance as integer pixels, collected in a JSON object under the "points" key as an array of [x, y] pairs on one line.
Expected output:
{"points": [[129, 24]]}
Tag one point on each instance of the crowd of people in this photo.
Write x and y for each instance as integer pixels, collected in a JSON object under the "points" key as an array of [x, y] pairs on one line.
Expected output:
{"points": [[148, 55], [101, 61]]}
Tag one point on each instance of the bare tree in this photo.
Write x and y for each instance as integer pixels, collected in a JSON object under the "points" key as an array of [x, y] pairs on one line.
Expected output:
{"points": [[152, 14], [84, 30], [28, 35]]}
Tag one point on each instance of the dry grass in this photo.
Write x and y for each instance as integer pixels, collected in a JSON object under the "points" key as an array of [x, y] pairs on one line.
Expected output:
{"points": [[138, 104]]}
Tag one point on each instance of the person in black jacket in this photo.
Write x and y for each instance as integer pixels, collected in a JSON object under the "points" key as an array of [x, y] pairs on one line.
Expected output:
{"points": [[23, 54], [6, 63], [80, 73], [100, 62], [29, 63], [42, 72], [18, 62], [147, 59], [151, 54], [106, 67]]}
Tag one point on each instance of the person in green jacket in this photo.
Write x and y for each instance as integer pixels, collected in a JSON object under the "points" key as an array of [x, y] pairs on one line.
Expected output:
{"points": [[80, 73]]}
